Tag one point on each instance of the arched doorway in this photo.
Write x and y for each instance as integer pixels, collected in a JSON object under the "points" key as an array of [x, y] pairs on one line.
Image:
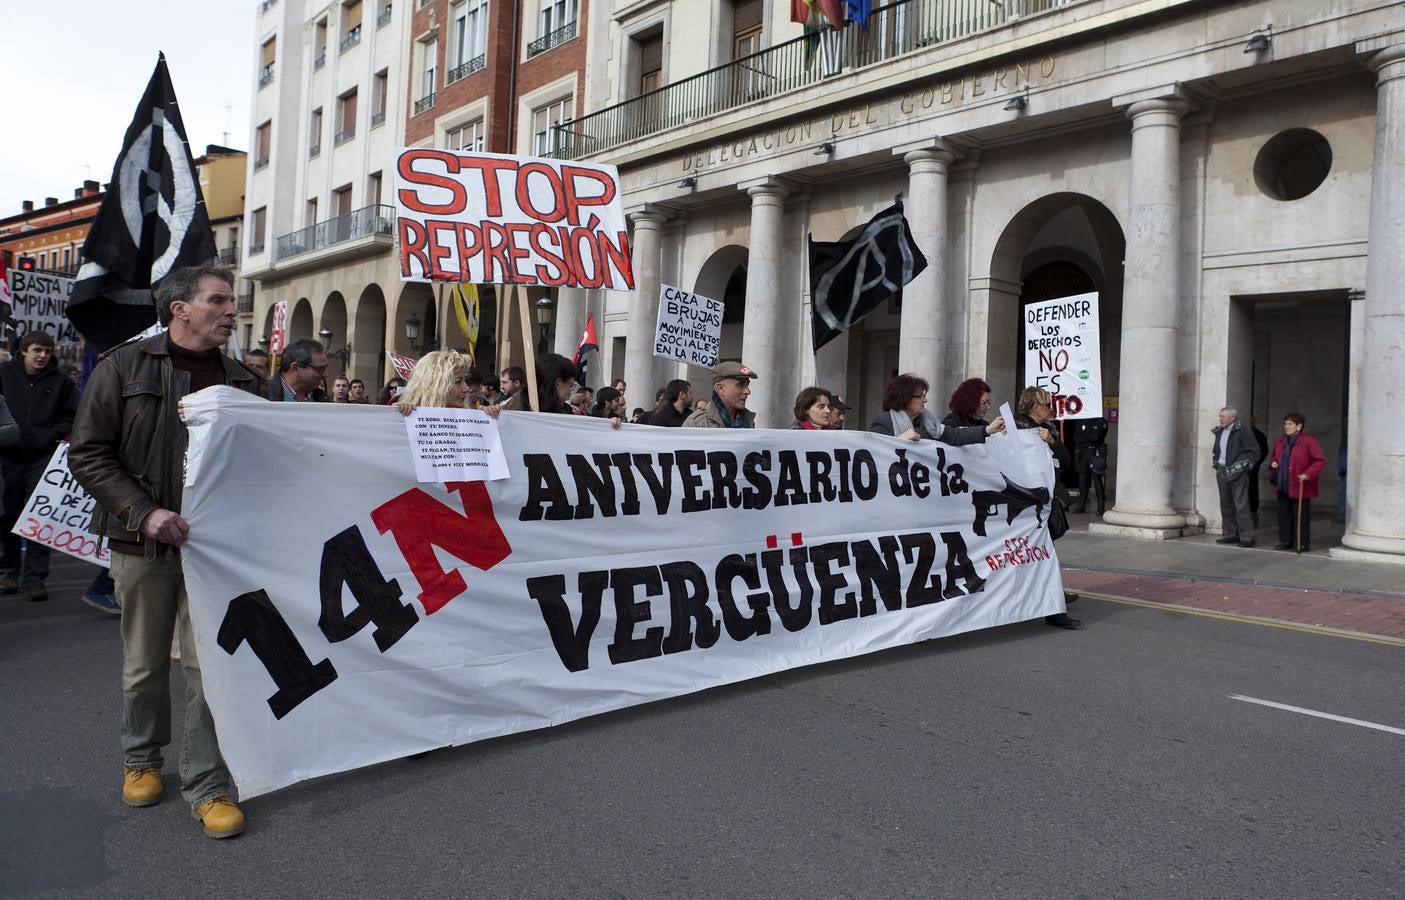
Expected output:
{"points": [[332, 331], [300, 321], [723, 277], [415, 307], [1058, 246], [368, 338]]}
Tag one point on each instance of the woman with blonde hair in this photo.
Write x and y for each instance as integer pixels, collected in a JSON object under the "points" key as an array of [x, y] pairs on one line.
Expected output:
{"points": [[1036, 410], [440, 379]]}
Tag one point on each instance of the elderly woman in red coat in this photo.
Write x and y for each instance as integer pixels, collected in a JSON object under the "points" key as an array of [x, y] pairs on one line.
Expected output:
{"points": [[1296, 463]]}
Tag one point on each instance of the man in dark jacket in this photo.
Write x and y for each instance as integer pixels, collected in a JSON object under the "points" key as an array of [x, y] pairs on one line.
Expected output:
{"points": [[1090, 461], [128, 451], [677, 405], [1234, 454], [43, 401], [301, 369]]}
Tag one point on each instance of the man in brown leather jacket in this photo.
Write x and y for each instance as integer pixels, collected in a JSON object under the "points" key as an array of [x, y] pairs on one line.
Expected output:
{"points": [[128, 450]]}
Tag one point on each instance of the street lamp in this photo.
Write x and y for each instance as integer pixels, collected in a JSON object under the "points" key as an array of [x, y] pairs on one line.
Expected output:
{"points": [[344, 354], [412, 333], [546, 311]]}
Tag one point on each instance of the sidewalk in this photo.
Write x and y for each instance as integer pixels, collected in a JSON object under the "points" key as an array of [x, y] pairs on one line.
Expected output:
{"points": [[1311, 590]]}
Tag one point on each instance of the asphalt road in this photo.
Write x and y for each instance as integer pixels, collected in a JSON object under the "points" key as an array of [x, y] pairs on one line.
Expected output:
{"points": [[1023, 761]]}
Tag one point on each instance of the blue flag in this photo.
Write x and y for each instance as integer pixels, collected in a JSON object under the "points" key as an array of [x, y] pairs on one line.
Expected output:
{"points": [[859, 11]]}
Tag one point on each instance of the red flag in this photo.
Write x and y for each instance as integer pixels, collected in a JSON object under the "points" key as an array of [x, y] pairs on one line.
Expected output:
{"points": [[404, 366], [833, 11], [588, 344], [800, 10]]}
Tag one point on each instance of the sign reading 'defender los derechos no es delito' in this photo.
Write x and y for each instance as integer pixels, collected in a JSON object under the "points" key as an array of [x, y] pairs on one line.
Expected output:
{"points": [[1061, 354], [689, 327]]}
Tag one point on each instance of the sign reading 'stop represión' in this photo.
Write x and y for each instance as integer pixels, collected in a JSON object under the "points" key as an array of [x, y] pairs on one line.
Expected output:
{"points": [[488, 218]]}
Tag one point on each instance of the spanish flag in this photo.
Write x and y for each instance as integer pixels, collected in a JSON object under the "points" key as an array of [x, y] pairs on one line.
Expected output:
{"points": [[464, 299]]}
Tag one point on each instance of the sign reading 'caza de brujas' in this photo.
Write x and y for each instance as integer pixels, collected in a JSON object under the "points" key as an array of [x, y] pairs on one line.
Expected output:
{"points": [[626, 566]]}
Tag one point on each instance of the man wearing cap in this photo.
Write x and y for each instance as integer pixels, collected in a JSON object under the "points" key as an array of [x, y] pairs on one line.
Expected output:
{"points": [[731, 385], [837, 409]]}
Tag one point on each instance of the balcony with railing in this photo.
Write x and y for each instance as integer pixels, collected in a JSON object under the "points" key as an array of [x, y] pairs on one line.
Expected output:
{"points": [[244, 304], [424, 103], [353, 37], [460, 72], [320, 59], [377, 119], [230, 256], [383, 19], [366, 222], [552, 39], [314, 151], [896, 29], [266, 76], [341, 137], [260, 163]]}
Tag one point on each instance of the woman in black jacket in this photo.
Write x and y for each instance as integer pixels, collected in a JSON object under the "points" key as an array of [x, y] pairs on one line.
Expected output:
{"points": [[1035, 411], [969, 404], [906, 418]]}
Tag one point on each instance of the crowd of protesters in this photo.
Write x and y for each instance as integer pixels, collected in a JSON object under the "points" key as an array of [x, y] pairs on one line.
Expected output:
{"points": [[128, 442]]}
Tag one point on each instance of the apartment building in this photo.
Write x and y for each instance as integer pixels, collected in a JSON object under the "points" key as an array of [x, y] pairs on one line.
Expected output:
{"points": [[328, 116], [1227, 176], [497, 76]]}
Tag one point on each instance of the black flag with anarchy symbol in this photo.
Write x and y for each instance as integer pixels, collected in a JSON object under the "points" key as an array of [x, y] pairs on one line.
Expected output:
{"points": [[849, 279], [153, 220]]}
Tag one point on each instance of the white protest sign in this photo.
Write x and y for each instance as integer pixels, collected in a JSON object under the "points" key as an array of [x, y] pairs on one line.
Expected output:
{"points": [[279, 339], [40, 303], [490, 218], [455, 445], [58, 514], [1062, 355], [615, 567], [689, 327]]}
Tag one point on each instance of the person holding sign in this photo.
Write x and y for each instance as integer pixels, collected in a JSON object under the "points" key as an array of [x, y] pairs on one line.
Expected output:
{"points": [[128, 451], [440, 379], [731, 385], [905, 417], [43, 401]]}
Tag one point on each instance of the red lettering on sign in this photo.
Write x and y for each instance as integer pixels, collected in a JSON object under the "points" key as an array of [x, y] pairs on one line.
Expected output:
{"points": [[412, 244], [458, 194], [574, 200], [488, 168], [524, 192], [419, 523]]}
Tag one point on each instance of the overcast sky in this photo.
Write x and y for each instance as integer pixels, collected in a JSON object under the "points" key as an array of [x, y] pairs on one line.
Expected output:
{"points": [[73, 71]]}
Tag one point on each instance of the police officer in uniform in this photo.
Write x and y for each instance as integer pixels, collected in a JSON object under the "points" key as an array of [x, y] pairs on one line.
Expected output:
{"points": [[1090, 460]]}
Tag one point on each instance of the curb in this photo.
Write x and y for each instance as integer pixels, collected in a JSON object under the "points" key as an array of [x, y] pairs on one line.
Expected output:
{"points": [[1248, 582], [1227, 616]]}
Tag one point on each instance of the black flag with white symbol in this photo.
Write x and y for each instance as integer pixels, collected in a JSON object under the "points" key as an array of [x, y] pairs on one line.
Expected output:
{"points": [[153, 220], [849, 279]]}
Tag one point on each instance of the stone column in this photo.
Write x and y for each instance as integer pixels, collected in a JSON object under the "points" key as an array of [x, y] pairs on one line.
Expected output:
{"points": [[1376, 525], [762, 332], [1146, 444], [921, 336], [572, 309], [639, 365]]}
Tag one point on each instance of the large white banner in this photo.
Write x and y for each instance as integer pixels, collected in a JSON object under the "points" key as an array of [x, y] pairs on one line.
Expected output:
{"points": [[40, 303], [689, 327], [1062, 355], [614, 567], [489, 218]]}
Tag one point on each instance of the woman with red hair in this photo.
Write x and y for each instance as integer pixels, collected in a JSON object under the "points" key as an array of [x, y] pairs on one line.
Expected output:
{"points": [[969, 404]]}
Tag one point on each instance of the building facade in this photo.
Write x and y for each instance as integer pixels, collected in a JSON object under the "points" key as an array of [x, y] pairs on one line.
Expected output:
{"points": [[1227, 176], [53, 234], [328, 114]]}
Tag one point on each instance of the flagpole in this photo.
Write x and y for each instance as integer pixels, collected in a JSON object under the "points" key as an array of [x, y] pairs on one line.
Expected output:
{"points": [[525, 315]]}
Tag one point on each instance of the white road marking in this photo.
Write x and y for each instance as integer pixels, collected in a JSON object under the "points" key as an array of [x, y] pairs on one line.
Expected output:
{"points": [[1319, 714]]}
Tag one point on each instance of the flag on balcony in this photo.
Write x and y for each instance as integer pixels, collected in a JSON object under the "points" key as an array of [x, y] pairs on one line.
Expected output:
{"points": [[849, 279], [153, 220], [800, 10], [859, 11], [587, 345], [464, 299]]}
